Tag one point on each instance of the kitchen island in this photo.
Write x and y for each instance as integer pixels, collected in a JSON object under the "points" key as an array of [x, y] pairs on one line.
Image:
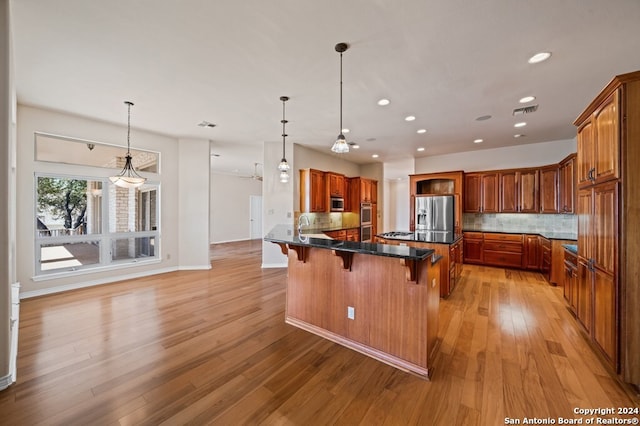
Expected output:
{"points": [[378, 299]]}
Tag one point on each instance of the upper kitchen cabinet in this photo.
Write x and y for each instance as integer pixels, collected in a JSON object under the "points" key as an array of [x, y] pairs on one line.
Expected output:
{"points": [[362, 190], [336, 185], [313, 195], [448, 183], [567, 184], [549, 189], [608, 209], [481, 192], [598, 140], [518, 190]]}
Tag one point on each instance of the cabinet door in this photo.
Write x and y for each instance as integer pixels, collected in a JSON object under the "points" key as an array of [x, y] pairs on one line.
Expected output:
{"points": [[374, 191], [365, 190], [584, 293], [509, 192], [528, 191], [489, 193], [336, 185], [472, 193], [531, 258], [567, 186], [567, 288], [605, 232], [472, 251], [318, 197], [585, 223], [604, 314], [549, 189], [586, 153], [607, 137]]}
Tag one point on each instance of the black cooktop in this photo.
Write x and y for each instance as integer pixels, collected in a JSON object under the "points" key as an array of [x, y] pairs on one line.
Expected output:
{"points": [[442, 237]]}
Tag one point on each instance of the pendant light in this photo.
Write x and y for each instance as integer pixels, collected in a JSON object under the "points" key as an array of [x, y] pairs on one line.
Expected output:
{"points": [[283, 167], [128, 177], [340, 146]]}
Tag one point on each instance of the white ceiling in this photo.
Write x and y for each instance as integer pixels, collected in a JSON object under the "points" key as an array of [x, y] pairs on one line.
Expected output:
{"points": [[228, 62]]}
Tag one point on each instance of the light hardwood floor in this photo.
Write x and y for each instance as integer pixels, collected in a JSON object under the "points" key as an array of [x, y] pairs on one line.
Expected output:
{"points": [[211, 347]]}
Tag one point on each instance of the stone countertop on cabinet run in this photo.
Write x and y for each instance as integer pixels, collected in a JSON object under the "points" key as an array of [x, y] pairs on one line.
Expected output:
{"points": [[550, 235], [287, 234]]}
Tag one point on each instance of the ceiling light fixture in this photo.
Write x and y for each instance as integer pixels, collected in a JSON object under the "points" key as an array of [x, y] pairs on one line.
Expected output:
{"points": [[520, 124], [421, 131], [420, 149], [354, 145], [527, 99], [375, 156], [283, 167], [409, 118], [345, 130], [519, 135], [384, 102], [478, 141], [128, 177], [340, 146], [539, 57]]}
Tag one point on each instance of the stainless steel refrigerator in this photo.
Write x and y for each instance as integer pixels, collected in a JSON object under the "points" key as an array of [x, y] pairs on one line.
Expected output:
{"points": [[435, 213]]}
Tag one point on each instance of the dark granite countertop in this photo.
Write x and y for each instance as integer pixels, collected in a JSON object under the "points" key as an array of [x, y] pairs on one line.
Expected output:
{"points": [[316, 230], [550, 235], [434, 237], [288, 234], [573, 248]]}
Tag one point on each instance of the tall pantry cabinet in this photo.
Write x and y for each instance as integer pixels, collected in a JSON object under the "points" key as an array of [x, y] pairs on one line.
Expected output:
{"points": [[608, 208]]}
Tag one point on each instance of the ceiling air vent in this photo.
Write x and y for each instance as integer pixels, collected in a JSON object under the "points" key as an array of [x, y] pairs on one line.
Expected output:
{"points": [[525, 110], [206, 124]]}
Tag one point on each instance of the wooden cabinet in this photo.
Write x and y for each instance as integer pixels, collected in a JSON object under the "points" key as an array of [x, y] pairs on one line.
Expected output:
{"points": [[545, 255], [361, 191], [570, 285], [532, 253], [353, 234], [549, 189], [481, 192], [518, 191], [374, 191], [556, 275], [584, 301], [567, 184], [313, 196], [336, 184], [502, 250], [472, 247], [598, 143], [448, 183]]}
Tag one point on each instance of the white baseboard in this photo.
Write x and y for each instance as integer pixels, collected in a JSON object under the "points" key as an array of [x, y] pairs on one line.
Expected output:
{"points": [[274, 265], [5, 382], [74, 286], [231, 241], [195, 267]]}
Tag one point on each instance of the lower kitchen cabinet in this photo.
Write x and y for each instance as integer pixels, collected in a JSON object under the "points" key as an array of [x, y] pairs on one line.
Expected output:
{"points": [[545, 253], [502, 250], [472, 247], [604, 314], [584, 304], [531, 258], [570, 284]]}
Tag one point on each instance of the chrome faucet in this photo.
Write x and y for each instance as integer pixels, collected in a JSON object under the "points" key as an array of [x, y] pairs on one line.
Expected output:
{"points": [[300, 220]]}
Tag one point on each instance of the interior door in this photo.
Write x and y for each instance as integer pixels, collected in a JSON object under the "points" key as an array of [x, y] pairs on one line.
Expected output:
{"points": [[255, 216]]}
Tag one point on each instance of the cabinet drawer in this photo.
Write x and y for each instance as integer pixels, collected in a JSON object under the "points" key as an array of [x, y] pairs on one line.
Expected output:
{"points": [[472, 235], [503, 246], [501, 258], [503, 237]]}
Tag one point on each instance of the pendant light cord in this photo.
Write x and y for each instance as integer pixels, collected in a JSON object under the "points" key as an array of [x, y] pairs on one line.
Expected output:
{"points": [[284, 135], [340, 93], [128, 126]]}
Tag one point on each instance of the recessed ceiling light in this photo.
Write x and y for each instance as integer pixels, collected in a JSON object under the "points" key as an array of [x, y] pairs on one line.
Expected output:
{"points": [[354, 145], [478, 141], [527, 99], [539, 57], [409, 118], [375, 156], [345, 130], [422, 131], [520, 124], [420, 149], [383, 102], [519, 135], [483, 118]]}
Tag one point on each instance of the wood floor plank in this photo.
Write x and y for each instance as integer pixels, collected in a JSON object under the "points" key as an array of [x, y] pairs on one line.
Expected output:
{"points": [[211, 347]]}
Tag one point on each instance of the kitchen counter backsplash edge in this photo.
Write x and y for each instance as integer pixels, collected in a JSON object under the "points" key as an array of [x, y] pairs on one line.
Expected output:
{"points": [[551, 226]]}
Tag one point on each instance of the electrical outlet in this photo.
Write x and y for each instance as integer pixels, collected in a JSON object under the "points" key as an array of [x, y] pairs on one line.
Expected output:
{"points": [[168, 256], [351, 312]]}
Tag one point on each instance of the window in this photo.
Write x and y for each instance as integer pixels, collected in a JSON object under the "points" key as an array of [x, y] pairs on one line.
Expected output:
{"points": [[87, 222]]}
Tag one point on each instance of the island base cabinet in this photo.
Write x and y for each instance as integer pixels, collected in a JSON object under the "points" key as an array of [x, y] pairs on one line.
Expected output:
{"points": [[367, 303]]}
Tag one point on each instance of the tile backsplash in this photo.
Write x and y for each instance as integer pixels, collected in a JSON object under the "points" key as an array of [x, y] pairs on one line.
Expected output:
{"points": [[521, 222], [330, 220]]}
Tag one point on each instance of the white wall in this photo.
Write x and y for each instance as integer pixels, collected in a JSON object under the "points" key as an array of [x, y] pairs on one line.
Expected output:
{"points": [[32, 119], [229, 211], [397, 216], [530, 155], [193, 204]]}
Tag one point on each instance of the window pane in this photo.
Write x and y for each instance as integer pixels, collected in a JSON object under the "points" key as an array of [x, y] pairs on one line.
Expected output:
{"points": [[68, 207], [58, 149], [133, 248], [133, 209], [69, 255]]}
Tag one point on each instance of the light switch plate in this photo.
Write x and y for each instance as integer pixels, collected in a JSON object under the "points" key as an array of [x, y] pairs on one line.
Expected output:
{"points": [[351, 312]]}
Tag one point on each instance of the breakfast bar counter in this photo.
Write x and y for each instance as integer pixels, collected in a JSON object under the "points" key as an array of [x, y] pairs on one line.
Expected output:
{"points": [[378, 299]]}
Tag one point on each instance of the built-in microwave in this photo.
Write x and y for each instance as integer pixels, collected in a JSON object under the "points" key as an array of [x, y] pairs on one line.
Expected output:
{"points": [[336, 204]]}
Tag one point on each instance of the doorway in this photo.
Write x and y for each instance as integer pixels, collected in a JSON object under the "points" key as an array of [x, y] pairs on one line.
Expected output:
{"points": [[255, 216]]}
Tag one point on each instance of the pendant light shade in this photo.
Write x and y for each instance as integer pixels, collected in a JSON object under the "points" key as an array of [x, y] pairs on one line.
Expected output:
{"points": [[283, 167], [128, 177], [340, 146]]}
